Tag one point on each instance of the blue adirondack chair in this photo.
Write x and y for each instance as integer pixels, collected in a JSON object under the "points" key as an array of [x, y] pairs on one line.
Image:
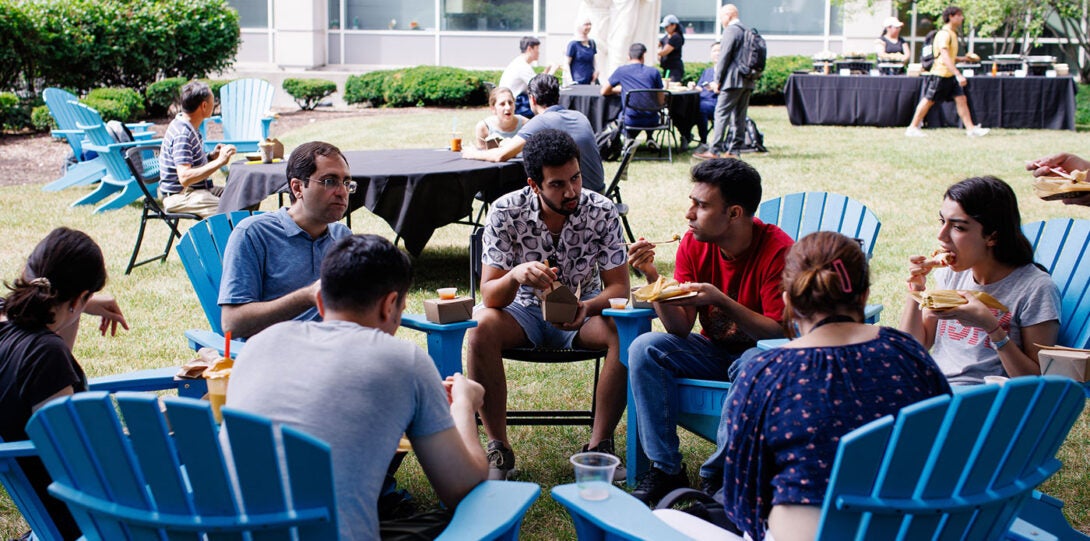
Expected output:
{"points": [[88, 168], [701, 401], [119, 180], [129, 471], [1061, 246], [244, 114], [201, 251], [951, 467]]}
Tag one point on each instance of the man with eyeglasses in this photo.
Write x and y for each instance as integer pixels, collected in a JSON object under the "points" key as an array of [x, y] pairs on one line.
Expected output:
{"points": [[550, 231], [272, 261]]}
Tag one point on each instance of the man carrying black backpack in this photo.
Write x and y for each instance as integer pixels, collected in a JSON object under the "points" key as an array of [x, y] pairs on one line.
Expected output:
{"points": [[740, 63]]}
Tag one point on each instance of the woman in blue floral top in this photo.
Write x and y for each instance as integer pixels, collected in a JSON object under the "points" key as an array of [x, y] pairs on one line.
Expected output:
{"points": [[790, 406]]}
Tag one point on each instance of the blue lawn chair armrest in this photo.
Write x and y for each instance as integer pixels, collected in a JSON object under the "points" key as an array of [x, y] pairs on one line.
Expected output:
{"points": [[492, 510], [239, 144], [444, 341], [216, 118], [139, 127], [15, 449], [143, 136], [620, 516], [1045, 512], [207, 339], [152, 379], [99, 148], [64, 134]]}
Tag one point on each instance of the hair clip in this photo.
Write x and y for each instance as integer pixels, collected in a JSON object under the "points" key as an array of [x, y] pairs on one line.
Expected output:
{"points": [[842, 273]]}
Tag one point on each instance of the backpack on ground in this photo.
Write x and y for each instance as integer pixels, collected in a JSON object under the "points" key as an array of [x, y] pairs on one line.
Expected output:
{"points": [[751, 57], [609, 141], [927, 53], [753, 141]]}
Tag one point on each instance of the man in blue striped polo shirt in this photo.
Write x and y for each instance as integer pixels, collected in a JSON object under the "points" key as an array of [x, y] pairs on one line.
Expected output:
{"points": [[185, 171]]}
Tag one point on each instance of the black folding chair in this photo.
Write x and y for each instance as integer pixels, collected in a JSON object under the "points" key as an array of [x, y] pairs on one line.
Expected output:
{"points": [[653, 102], [613, 191], [135, 157], [539, 355]]}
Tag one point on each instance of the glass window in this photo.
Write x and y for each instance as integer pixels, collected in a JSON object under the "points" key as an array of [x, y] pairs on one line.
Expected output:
{"points": [[334, 14], [788, 17], [495, 15], [386, 15], [696, 16], [251, 13]]}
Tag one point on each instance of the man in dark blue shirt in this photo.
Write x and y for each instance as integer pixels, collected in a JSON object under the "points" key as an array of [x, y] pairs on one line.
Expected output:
{"points": [[635, 75]]}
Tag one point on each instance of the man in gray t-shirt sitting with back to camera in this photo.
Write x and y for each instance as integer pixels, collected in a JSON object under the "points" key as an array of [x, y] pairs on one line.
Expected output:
{"points": [[349, 382], [544, 99]]}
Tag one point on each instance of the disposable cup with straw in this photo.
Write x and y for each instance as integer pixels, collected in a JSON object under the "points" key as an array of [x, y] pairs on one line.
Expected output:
{"points": [[217, 377]]}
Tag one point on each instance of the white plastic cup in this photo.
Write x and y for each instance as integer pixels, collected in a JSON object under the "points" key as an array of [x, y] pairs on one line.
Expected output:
{"points": [[594, 474], [995, 379], [618, 303], [447, 293]]}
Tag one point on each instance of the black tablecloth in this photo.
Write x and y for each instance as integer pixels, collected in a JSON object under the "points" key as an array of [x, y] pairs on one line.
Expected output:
{"points": [[995, 102], [415, 190], [601, 110]]}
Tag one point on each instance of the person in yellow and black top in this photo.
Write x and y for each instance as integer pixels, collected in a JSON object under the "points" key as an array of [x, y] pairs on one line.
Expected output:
{"points": [[946, 80]]}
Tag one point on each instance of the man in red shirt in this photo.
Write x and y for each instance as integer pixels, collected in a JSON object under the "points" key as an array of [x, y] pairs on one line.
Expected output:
{"points": [[734, 263]]}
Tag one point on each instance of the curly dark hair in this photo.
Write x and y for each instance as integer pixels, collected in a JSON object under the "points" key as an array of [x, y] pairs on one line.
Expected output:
{"points": [[547, 148]]}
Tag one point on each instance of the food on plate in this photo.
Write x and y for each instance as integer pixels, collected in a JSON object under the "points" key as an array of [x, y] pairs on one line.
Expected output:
{"points": [[660, 290], [940, 258], [944, 299], [894, 58], [972, 58], [1061, 185]]}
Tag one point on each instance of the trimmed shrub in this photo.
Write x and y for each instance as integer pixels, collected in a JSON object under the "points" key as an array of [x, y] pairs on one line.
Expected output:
{"points": [[769, 89], [40, 119], [162, 95], [13, 116], [308, 92], [417, 87], [122, 104], [90, 43], [18, 44]]}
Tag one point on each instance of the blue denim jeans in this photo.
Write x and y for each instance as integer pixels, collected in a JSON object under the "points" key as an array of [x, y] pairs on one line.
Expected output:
{"points": [[655, 361]]}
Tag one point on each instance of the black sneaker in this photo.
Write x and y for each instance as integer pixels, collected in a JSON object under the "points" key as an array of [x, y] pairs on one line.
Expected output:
{"points": [[606, 446], [501, 461], [655, 483], [711, 485]]}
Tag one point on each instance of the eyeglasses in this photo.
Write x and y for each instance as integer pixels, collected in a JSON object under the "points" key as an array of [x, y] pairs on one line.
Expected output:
{"points": [[333, 182]]}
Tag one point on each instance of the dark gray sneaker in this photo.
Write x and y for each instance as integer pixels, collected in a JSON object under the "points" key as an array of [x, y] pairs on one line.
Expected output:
{"points": [[655, 483], [606, 446], [501, 461]]}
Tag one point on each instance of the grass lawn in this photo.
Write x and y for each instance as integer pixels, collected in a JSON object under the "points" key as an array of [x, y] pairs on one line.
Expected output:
{"points": [[900, 179]]}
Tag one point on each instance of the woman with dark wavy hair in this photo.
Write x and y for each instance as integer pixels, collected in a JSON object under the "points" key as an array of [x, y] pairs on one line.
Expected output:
{"points": [[982, 248], [39, 321]]}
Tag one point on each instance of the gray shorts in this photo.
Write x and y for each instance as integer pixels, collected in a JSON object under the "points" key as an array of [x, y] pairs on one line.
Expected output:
{"points": [[541, 333]]}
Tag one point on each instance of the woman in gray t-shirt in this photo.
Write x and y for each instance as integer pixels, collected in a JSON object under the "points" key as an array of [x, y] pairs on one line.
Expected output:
{"points": [[981, 233]]}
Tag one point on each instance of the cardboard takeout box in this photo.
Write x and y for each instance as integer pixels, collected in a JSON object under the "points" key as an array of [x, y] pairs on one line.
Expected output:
{"points": [[1072, 363], [448, 311], [559, 305]]}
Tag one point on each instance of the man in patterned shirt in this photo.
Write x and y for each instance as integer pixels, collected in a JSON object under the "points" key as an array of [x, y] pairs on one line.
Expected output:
{"points": [[733, 262], [552, 230], [185, 170]]}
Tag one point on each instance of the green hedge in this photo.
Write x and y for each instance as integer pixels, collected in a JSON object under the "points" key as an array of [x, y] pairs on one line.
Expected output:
{"points": [[123, 104], [18, 44], [84, 44], [163, 94], [40, 119], [13, 115], [308, 92], [769, 90], [417, 87]]}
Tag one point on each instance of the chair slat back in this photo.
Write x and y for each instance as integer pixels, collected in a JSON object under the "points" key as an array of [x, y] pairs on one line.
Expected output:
{"points": [[132, 472], [201, 251], [88, 120], [802, 213], [57, 100], [1060, 245], [648, 101], [26, 499], [951, 467], [243, 103]]}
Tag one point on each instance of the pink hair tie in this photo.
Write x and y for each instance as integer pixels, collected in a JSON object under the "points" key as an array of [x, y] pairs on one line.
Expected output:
{"points": [[842, 273]]}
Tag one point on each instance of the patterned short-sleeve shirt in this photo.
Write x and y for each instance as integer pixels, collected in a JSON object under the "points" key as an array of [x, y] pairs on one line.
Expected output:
{"points": [[181, 145], [590, 241], [789, 407]]}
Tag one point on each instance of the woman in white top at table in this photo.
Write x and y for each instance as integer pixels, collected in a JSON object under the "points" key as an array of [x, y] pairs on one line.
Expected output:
{"points": [[503, 123]]}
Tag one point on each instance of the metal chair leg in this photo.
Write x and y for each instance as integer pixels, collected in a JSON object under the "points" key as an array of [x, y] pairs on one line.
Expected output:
{"points": [[139, 240]]}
